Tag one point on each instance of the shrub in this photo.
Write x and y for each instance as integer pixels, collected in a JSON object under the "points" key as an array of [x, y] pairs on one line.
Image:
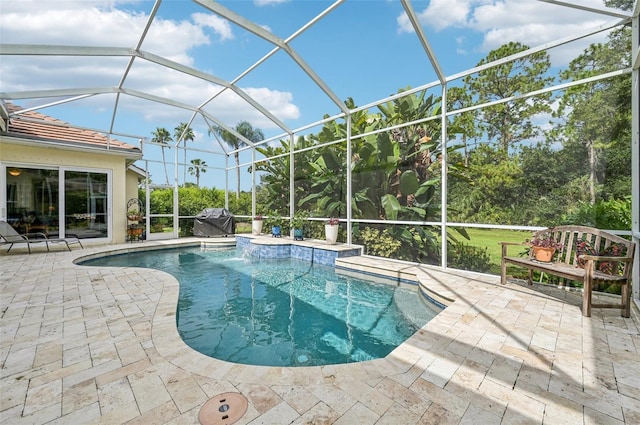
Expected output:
{"points": [[379, 243], [614, 214], [467, 257]]}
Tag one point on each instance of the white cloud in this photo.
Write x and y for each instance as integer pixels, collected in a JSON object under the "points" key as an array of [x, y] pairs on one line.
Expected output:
{"points": [[527, 21], [99, 23], [530, 22], [460, 43], [219, 25], [70, 26], [441, 14], [280, 103]]}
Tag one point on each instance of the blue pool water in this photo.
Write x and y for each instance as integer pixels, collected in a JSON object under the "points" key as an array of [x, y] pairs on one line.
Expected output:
{"points": [[281, 312]]}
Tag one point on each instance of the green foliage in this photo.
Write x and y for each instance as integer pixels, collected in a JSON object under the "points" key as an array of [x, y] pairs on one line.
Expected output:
{"points": [[161, 201], [275, 219], [241, 205], [196, 168], [161, 136], [274, 189], [620, 4], [299, 219], [468, 257], [395, 173], [379, 243], [315, 229], [614, 214], [596, 118], [237, 138], [505, 171], [183, 132], [510, 122], [496, 182], [193, 199]]}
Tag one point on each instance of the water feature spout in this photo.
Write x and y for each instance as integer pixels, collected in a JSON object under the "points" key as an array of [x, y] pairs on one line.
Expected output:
{"points": [[250, 251]]}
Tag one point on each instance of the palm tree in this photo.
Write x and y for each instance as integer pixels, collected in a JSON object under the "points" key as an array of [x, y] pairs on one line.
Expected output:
{"points": [[244, 128], [197, 166], [188, 136], [162, 137]]}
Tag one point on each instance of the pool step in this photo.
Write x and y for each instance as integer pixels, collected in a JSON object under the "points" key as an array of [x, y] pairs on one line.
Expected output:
{"points": [[375, 266], [217, 243]]}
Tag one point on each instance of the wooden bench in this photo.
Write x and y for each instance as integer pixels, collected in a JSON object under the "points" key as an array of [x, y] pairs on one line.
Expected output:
{"points": [[567, 259]]}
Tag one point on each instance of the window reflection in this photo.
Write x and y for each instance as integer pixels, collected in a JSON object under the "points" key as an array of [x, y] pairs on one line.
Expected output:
{"points": [[85, 204], [32, 200]]}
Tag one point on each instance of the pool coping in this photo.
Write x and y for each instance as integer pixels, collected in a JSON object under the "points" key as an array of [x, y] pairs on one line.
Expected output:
{"points": [[170, 345]]}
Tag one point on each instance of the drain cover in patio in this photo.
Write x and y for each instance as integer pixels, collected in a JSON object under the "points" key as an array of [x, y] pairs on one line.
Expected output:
{"points": [[223, 409]]}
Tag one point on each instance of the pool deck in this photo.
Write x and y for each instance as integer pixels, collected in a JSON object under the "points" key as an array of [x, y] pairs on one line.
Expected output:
{"points": [[93, 345]]}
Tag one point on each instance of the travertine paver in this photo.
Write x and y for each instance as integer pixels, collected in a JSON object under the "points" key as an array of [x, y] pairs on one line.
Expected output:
{"points": [[87, 345]]}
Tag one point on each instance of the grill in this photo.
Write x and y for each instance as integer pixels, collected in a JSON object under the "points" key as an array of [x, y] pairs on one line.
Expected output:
{"points": [[214, 222]]}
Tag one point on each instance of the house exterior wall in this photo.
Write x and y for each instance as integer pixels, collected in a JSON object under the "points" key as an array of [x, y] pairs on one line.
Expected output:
{"points": [[41, 156]]}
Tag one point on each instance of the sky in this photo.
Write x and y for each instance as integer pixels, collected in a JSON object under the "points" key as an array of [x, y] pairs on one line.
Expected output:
{"points": [[362, 49]]}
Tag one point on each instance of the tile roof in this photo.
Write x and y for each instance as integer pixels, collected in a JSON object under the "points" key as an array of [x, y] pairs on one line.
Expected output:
{"points": [[36, 126]]}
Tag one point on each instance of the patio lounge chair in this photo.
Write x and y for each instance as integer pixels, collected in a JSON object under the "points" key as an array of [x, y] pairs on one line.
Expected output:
{"points": [[9, 235]]}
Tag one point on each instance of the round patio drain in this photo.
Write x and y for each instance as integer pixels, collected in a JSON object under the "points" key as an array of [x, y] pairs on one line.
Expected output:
{"points": [[223, 409]]}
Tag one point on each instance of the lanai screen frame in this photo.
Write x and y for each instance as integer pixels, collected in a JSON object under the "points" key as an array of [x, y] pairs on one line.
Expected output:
{"points": [[71, 95], [443, 82]]}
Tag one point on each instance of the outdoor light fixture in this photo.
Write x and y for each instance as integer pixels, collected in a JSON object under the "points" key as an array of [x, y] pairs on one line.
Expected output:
{"points": [[15, 172]]}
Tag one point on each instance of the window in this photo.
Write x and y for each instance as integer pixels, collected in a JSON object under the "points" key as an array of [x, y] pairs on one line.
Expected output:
{"points": [[52, 200], [86, 204], [32, 200]]}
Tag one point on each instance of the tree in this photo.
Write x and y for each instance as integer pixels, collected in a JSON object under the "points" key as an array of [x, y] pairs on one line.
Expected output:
{"points": [[184, 133], [465, 123], [510, 122], [197, 166], [162, 137], [596, 116], [620, 4], [494, 185], [274, 182], [254, 135], [493, 191], [396, 173]]}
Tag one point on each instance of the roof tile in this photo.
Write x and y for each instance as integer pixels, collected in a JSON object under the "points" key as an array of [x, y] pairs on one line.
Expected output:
{"points": [[34, 125]]}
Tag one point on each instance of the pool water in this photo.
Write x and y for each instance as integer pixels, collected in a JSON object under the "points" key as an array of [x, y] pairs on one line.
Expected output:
{"points": [[281, 312]]}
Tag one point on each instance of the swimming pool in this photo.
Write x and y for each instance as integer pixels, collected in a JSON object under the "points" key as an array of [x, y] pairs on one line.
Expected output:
{"points": [[281, 312]]}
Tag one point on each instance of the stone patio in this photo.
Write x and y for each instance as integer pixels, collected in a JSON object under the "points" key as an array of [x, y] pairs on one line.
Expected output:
{"points": [[89, 345]]}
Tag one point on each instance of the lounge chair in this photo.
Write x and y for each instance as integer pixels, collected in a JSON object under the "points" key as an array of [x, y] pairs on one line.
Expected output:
{"points": [[9, 236]]}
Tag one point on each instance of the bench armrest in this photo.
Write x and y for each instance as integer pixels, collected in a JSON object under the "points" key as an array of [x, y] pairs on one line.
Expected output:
{"points": [[512, 243], [506, 244], [605, 258], [591, 261]]}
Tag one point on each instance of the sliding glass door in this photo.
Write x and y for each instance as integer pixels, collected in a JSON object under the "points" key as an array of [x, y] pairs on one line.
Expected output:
{"points": [[59, 202], [32, 202], [86, 202]]}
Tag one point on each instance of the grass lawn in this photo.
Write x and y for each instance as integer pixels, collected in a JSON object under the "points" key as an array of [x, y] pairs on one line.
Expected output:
{"points": [[243, 227], [491, 238]]}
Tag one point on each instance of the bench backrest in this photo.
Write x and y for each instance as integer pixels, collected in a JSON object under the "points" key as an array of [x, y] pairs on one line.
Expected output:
{"points": [[599, 240]]}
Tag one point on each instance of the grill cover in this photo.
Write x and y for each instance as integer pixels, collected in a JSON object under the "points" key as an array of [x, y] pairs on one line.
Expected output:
{"points": [[214, 222]]}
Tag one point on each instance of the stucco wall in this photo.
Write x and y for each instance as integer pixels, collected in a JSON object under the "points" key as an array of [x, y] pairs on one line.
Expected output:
{"points": [[32, 156], [132, 185]]}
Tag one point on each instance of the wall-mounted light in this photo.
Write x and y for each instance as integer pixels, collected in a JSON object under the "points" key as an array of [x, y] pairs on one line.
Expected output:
{"points": [[15, 172]]}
